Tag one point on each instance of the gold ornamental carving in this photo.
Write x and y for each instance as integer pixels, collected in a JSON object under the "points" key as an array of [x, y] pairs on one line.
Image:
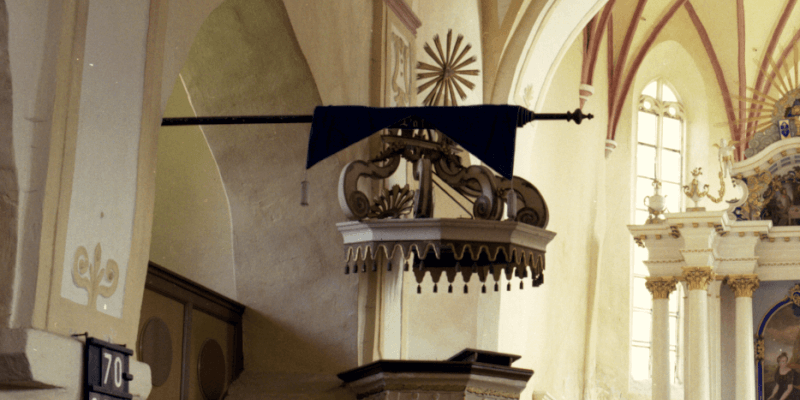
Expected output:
{"points": [[92, 277], [794, 294], [743, 285], [661, 287], [698, 278], [693, 191], [760, 349]]}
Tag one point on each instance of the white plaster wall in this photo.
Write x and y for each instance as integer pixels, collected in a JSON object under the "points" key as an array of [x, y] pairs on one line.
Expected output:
{"points": [[301, 316], [104, 184], [192, 230], [548, 33], [340, 62], [33, 39], [185, 19], [550, 330]]}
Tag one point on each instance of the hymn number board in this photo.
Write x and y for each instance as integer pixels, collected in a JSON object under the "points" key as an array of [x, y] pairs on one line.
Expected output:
{"points": [[107, 373]]}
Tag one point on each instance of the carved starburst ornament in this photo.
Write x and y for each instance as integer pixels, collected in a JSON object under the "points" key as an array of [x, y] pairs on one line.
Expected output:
{"points": [[446, 77]]}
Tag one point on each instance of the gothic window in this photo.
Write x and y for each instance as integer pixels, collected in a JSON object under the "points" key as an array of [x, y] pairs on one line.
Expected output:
{"points": [[659, 158]]}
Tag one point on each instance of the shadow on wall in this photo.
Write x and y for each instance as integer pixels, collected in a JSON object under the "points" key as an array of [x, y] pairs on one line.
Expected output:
{"points": [[271, 347], [301, 315], [9, 191]]}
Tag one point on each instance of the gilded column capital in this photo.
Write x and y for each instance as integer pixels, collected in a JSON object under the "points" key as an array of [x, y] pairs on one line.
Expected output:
{"points": [[661, 286], [743, 285], [698, 278]]}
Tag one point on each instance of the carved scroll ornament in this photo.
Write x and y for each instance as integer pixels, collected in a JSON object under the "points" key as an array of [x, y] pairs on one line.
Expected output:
{"points": [[432, 152]]}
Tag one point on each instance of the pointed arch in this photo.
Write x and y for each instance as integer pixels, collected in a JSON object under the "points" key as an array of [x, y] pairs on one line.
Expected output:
{"points": [[637, 61], [712, 57]]}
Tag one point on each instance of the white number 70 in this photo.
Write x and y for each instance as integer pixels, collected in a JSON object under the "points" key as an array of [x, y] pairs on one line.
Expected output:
{"points": [[117, 369]]}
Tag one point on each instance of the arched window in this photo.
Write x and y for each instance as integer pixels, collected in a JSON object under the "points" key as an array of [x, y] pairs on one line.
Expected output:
{"points": [[659, 157]]}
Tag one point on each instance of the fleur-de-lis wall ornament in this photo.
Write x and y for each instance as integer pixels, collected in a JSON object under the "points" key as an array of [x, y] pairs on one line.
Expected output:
{"points": [[90, 276]]}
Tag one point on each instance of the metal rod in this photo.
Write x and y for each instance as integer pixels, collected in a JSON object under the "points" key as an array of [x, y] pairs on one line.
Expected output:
{"points": [[525, 117], [238, 120]]}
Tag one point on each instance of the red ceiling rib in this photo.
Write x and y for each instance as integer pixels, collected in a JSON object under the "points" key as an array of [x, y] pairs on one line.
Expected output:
{"points": [[783, 56], [712, 56], [594, 45], [588, 39], [618, 99], [773, 42], [623, 55], [610, 61], [742, 126], [779, 62], [761, 85]]}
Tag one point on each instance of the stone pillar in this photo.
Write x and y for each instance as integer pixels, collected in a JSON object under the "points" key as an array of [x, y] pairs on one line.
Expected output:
{"points": [[661, 287], [743, 287], [697, 357]]}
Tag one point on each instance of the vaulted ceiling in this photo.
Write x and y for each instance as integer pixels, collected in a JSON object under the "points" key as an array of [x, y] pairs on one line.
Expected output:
{"points": [[751, 46]]}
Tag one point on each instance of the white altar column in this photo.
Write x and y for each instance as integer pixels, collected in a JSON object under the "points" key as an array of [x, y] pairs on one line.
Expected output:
{"points": [[714, 332], [661, 287], [697, 358], [743, 287]]}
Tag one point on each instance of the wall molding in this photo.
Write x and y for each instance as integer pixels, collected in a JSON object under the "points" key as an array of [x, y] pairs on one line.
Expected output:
{"points": [[404, 14]]}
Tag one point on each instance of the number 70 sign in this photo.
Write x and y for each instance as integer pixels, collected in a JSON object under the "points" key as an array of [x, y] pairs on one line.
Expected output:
{"points": [[107, 373]]}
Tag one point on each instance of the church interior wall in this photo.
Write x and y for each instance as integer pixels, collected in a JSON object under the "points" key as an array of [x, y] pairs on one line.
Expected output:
{"points": [[32, 37], [245, 61], [340, 63], [43, 37], [185, 17], [227, 212], [192, 230], [550, 331]]}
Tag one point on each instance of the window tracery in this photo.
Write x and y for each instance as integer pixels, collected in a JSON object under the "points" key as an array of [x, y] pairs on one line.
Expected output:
{"points": [[659, 161]]}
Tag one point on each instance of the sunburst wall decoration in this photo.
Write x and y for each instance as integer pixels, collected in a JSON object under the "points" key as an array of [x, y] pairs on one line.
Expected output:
{"points": [[773, 116], [446, 77]]}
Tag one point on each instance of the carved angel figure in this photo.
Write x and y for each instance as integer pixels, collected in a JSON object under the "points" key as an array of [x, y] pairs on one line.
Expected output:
{"points": [[726, 151]]}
